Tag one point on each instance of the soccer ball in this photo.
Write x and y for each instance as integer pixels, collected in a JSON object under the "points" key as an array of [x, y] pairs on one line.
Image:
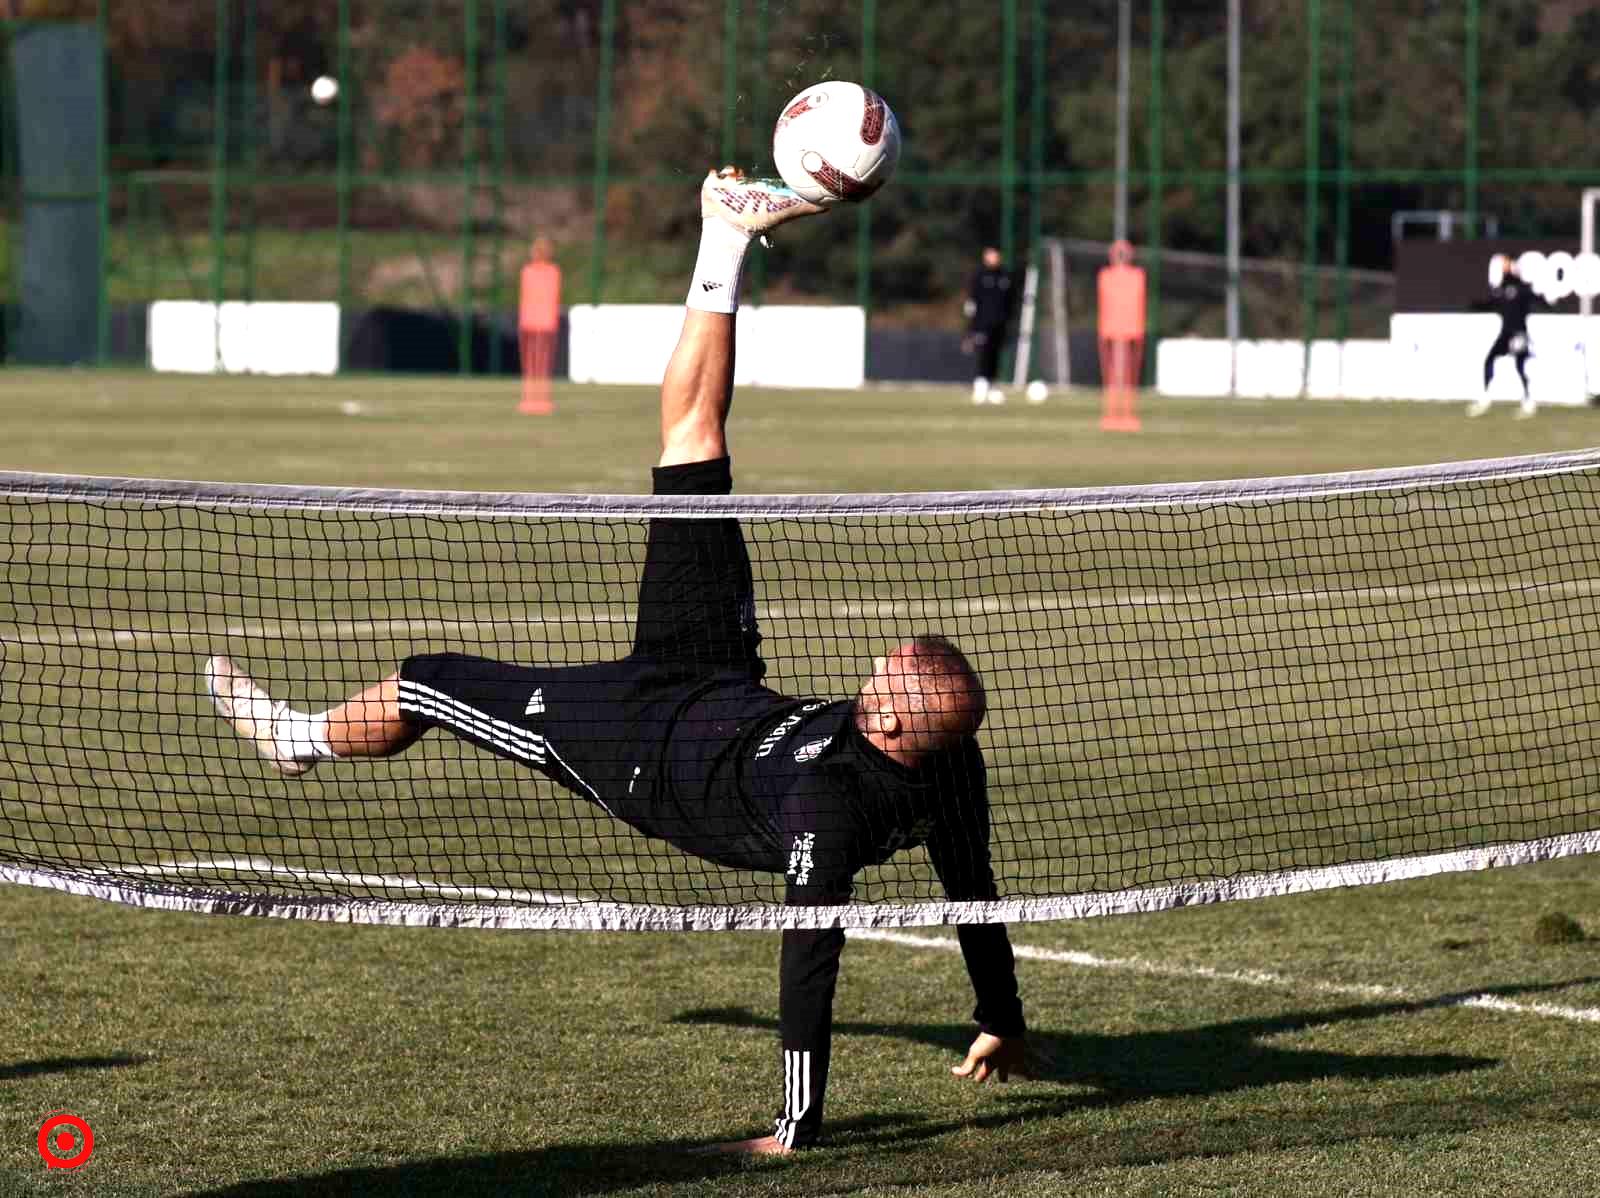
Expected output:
{"points": [[836, 141], [1038, 391], [325, 90]]}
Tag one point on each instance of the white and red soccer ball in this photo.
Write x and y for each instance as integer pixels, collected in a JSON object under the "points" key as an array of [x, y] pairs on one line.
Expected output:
{"points": [[836, 142]]}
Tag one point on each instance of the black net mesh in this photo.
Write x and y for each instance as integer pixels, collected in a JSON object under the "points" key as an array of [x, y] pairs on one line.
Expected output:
{"points": [[1184, 685]]}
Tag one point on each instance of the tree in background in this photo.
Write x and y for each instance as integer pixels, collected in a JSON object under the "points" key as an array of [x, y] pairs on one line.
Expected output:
{"points": [[420, 104]]}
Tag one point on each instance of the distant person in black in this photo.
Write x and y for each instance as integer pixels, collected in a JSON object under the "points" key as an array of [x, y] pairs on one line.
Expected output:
{"points": [[990, 301], [681, 741], [1513, 299]]}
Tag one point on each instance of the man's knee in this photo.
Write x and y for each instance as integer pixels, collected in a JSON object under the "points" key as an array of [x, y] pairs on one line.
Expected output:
{"points": [[693, 440]]}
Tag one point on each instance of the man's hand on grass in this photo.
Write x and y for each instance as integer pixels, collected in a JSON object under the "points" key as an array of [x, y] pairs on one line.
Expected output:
{"points": [[992, 1056]]}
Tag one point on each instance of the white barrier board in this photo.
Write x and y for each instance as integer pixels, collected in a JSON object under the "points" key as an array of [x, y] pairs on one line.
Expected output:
{"points": [[777, 345], [1432, 356], [1440, 356], [193, 337], [1196, 366]]}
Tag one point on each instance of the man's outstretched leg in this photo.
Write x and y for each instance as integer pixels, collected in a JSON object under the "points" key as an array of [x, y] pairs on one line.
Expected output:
{"points": [[1529, 407], [696, 593], [697, 389], [367, 725], [696, 393]]}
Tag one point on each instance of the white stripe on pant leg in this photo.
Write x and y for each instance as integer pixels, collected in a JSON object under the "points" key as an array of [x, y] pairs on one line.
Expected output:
{"points": [[790, 1098], [419, 693], [453, 713], [785, 1127], [524, 746], [797, 1093], [782, 1123], [790, 1086], [436, 703], [527, 746], [530, 751], [577, 777], [450, 710]]}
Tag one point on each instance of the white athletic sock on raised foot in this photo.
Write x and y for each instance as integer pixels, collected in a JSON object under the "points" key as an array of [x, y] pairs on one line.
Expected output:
{"points": [[301, 736], [715, 285]]}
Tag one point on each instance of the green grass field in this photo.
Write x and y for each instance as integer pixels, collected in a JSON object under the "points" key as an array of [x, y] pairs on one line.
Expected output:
{"points": [[1403, 1039]]}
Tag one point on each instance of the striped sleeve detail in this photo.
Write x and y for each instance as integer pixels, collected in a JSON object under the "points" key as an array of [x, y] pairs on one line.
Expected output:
{"points": [[796, 1095]]}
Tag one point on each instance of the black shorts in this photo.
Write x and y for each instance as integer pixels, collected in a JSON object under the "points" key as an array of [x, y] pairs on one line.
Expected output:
{"points": [[1513, 344], [601, 730], [987, 344]]}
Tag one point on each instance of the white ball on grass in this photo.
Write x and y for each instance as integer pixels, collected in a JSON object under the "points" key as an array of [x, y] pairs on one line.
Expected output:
{"points": [[325, 90], [1037, 391]]}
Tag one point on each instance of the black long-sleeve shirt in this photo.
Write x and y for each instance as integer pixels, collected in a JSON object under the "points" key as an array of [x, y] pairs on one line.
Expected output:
{"points": [[991, 299], [800, 790], [1512, 301]]}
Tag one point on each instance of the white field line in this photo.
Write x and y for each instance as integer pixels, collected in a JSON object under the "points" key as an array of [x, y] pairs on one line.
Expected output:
{"points": [[256, 865], [316, 630], [1248, 977], [1138, 965]]}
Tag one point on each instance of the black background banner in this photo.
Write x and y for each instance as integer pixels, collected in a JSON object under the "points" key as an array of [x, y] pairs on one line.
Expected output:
{"points": [[1448, 276]]}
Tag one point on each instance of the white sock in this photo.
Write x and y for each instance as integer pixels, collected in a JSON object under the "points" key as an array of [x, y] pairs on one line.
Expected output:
{"points": [[715, 285], [300, 736]]}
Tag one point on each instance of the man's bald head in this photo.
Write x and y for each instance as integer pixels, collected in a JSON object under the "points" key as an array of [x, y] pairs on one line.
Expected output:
{"points": [[923, 697]]}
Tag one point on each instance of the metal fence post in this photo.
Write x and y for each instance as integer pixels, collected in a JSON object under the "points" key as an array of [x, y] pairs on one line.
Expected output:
{"points": [[469, 185], [764, 122], [1309, 286], [342, 177], [1008, 131], [498, 169], [219, 172], [602, 150], [1157, 181], [1470, 175], [102, 341], [1342, 238], [869, 75], [730, 82]]}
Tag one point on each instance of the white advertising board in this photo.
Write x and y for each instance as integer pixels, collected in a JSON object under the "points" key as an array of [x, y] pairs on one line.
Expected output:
{"points": [[1431, 357], [1440, 356], [193, 337], [1198, 366], [777, 346]]}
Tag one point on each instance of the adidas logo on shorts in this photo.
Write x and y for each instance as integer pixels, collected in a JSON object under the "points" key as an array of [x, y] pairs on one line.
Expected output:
{"points": [[535, 703]]}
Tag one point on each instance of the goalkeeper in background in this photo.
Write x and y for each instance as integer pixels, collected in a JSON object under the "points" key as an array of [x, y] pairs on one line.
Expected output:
{"points": [[990, 302], [1513, 299], [680, 740]]}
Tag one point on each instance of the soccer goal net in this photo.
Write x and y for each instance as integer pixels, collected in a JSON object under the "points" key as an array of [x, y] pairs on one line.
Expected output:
{"points": [[1276, 300], [1196, 692]]}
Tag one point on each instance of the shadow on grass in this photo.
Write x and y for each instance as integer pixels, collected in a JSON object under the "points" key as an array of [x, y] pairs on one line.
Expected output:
{"points": [[1210, 1059], [22, 1069], [559, 1171], [1124, 1069]]}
